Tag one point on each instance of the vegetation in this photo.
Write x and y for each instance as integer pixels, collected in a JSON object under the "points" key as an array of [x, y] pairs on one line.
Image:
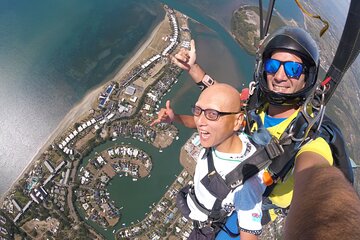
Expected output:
{"points": [[21, 198], [245, 27]]}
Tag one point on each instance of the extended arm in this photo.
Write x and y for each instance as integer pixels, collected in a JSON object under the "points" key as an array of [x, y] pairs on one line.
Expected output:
{"points": [[324, 206]]}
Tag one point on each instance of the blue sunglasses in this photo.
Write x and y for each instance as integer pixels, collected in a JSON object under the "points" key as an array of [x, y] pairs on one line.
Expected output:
{"points": [[292, 69]]}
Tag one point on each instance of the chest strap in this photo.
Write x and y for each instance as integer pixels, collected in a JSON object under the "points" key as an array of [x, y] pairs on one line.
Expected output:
{"points": [[216, 186]]}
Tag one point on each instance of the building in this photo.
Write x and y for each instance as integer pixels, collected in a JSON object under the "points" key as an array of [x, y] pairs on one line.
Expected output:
{"points": [[130, 90], [49, 166], [39, 194]]}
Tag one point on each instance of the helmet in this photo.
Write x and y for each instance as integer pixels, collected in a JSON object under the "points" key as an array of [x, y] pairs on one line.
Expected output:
{"points": [[296, 41]]}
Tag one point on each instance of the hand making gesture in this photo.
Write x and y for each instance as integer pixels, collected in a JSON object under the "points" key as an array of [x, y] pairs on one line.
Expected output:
{"points": [[165, 115], [185, 58]]}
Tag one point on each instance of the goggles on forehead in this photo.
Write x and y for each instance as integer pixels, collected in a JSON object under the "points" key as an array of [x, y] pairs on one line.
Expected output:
{"points": [[292, 69]]}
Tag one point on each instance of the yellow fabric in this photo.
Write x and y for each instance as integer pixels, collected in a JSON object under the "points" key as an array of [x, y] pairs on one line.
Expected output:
{"points": [[283, 191], [272, 214], [319, 146]]}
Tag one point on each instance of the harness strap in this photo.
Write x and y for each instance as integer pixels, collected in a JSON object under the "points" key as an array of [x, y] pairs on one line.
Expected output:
{"points": [[216, 213], [197, 203], [348, 49], [216, 216], [248, 168], [282, 164]]}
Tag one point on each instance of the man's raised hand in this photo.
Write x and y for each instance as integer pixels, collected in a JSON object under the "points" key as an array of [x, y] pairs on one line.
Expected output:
{"points": [[165, 115], [185, 58]]}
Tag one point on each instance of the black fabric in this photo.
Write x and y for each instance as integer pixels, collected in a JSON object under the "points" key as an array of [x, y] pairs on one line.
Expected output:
{"points": [[205, 233], [248, 168], [181, 202], [265, 219], [216, 185], [217, 216], [348, 48], [213, 182], [332, 135], [210, 232], [199, 206]]}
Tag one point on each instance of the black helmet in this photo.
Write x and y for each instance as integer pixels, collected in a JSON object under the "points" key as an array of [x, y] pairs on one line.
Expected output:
{"points": [[297, 41]]}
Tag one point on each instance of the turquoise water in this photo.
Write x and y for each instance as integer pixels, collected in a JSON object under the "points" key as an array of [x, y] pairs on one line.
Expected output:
{"points": [[51, 54], [136, 197]]}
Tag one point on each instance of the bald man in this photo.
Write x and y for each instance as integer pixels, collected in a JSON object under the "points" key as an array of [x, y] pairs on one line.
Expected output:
{"points": [[218, 119]]}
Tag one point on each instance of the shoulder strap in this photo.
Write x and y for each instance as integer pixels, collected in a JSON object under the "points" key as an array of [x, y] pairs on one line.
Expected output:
{"points": [[248, 168], [216, 210], [277, 156]]}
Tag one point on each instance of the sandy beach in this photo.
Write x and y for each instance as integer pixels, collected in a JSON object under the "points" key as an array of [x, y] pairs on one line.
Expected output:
{"points": [[83, 107]]}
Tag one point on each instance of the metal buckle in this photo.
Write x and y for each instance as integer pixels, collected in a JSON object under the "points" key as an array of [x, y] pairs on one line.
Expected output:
{"points": [[274, 148], [252, 86], [204, 224]]}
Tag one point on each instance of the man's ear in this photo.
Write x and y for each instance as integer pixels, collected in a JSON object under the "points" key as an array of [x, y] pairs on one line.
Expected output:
{"points": [[239, 119]]}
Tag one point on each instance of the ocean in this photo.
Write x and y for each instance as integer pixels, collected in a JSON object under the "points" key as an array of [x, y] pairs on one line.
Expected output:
{"points": [[51, 54]]}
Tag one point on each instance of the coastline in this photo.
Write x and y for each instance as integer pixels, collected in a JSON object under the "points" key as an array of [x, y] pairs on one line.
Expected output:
{"points": [[83, 106]]}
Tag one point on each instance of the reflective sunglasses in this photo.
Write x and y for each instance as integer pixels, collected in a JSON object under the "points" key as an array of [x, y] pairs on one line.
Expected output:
{"points": [[210, 114], [292, 69]]}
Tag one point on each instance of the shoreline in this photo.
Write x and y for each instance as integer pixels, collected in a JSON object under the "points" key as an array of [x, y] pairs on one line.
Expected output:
{"points": [[81, 107]]}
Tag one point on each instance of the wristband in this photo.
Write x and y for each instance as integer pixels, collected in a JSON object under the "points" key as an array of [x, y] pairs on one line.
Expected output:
{"points": [[205, 82]]}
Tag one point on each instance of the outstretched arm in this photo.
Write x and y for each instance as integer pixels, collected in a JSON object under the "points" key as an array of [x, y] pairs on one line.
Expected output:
{"points": [[324, 206], [186, 59], [167, 115]]}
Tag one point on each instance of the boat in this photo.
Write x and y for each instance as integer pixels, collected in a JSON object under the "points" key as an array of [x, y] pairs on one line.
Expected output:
{"points": [[134, 179], [160, 150]]}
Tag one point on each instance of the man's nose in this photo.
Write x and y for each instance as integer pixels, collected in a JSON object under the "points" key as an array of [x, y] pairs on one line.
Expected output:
{"points": [[280, 74], [201, 119]]}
